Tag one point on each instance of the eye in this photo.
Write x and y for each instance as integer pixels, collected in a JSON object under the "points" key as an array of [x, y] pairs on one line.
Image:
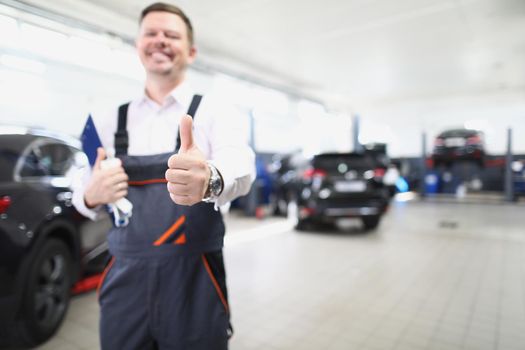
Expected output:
{"points": [[150, 34], [171, 35]]}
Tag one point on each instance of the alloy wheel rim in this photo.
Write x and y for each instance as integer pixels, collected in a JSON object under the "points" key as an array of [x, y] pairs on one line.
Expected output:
{"points": [[50, 298]]}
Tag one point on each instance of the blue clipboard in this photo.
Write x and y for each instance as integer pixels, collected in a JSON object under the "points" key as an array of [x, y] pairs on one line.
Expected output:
{"points": [[90, 140]]}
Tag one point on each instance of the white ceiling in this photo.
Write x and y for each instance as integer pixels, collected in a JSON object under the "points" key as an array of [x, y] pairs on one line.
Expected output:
{"points": [[348, 53]]}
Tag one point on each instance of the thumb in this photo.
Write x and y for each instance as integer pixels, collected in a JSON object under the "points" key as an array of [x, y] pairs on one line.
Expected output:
{"points": [[186, 134], [101, 155]]}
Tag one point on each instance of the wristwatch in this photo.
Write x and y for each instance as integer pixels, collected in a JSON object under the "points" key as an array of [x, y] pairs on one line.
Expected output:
{"points": [[215, 185]]}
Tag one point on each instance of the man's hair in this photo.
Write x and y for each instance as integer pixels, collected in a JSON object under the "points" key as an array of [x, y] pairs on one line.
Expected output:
{"points": [[164, 7]]}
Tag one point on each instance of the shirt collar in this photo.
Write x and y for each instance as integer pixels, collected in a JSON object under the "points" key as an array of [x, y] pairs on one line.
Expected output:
{"points": [[182, 94]]}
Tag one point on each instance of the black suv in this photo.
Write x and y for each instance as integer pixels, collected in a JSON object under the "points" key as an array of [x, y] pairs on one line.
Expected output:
{"points": [[45, 244], [341, 185]]}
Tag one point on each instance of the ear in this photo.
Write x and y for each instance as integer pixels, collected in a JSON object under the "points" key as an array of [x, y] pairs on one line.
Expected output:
{"points": [[193, 54]]}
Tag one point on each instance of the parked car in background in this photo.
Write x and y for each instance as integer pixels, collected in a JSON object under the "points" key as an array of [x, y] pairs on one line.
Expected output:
{"points": [[341, 185], [45, 244], [284, 168], [459, 144]]}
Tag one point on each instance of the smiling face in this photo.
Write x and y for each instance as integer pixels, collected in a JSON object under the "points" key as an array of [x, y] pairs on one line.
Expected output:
{"points": [[163, 45]]}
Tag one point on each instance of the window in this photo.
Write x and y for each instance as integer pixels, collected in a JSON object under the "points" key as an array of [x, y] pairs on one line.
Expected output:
{"points": [[48, 159]]}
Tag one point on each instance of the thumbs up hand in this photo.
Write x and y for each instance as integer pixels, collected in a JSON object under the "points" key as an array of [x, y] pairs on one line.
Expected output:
{"points": [[106, 185], [188, 173]]}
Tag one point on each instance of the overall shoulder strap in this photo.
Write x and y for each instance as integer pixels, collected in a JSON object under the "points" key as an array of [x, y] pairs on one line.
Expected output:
{"points": [[121, 136], [194, 105], [191, 112]]}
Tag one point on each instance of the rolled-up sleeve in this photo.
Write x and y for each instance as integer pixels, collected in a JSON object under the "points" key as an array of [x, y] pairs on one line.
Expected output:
{"points": [[80, 179]]}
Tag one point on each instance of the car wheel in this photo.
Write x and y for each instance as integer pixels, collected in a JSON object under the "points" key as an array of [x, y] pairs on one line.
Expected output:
{"points": [[282, 207], [302, 225], [370, 222], [47, 295]]}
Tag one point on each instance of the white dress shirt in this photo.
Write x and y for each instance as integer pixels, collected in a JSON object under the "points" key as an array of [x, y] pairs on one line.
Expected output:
{"points": [[219, 131]]}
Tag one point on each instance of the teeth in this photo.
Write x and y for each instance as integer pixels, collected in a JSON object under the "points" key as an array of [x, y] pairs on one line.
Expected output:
{"points": [[159, 56]]}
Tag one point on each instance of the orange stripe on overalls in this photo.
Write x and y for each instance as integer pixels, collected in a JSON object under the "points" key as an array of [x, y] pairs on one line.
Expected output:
{"points": [[147, 182], [170, 231], [215, 284], [181, 239]]}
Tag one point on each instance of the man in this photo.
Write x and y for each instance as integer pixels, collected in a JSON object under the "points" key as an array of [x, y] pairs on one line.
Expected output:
{"points": [[165, 286]]}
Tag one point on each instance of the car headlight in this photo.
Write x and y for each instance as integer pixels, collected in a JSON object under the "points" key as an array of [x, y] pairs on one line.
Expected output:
{"points": [[324, 193]]}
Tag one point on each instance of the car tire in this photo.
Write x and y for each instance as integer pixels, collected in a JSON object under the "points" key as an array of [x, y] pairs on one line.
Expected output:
{"points": [[370, 222], [302, 225], [46, 300], [282, 207]]}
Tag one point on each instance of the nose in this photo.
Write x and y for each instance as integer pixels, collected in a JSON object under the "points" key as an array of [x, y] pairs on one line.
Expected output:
{"points": [[160, 39]]}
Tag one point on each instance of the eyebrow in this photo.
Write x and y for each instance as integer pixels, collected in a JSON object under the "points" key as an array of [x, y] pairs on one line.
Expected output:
{"points": [[169, 31]]}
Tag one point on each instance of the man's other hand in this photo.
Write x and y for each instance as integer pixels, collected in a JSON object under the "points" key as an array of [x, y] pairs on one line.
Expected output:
{"points": [[105, 185]]}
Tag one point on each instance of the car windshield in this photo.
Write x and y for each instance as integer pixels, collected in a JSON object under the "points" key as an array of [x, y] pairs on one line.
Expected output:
{"points": [[458, 133]]}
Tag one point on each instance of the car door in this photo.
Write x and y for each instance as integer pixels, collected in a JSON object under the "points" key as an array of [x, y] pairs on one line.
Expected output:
{"points": [[47, 171]]}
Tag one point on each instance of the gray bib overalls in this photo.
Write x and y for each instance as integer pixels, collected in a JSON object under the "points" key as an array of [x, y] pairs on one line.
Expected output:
{"points": [[165, 286]]}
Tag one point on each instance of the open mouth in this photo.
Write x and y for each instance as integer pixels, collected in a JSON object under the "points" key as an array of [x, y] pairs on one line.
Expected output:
{"points": [[160, 56]]}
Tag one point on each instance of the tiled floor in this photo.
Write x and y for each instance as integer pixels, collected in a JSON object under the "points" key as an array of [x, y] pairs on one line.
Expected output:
{"points": [[440, 276]]}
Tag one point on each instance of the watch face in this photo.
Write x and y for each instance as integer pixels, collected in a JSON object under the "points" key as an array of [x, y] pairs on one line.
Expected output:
{"points": [[215, 185]]}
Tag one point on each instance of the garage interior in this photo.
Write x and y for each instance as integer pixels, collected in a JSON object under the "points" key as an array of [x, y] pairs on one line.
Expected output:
{"points": [[445, 268], [434, 276]]}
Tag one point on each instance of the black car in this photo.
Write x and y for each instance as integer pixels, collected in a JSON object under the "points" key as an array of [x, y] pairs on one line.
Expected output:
{"points": [[341, 185], [459, 144], [45, 244]]}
